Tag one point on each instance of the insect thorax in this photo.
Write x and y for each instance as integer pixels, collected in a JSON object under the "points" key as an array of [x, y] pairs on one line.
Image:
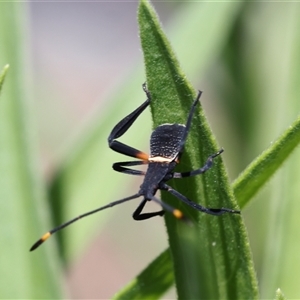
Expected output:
{"points": [[165, 141]]}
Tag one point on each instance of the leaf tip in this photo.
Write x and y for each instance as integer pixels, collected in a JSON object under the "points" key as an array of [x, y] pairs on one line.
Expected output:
{"points": [[279, 295]]}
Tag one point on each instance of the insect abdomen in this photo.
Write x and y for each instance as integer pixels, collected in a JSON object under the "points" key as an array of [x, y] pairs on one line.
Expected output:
{"points": [[165, 140]]}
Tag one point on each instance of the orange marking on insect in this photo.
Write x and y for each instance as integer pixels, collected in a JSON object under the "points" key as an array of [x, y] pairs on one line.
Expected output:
{"points": [[160, 159], [142, 155]]}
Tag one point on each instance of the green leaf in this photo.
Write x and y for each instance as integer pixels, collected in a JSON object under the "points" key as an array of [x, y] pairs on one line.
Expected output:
{"points": [[206, 255], [23, 275], [265, 165]]}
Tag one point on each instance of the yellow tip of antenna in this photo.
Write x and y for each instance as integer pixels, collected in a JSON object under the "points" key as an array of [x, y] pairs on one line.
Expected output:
{"points": [[41, 240]]}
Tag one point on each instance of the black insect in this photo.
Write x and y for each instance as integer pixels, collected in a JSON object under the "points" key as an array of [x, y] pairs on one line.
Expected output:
{"points": [[166, 147]]}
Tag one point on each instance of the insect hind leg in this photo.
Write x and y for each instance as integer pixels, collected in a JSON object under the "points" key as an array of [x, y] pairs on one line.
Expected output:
{"points": [[122, 128], [139, 216], [210, 211]]}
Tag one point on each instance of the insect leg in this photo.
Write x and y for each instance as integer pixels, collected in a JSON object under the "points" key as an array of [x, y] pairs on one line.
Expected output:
{"points": [[119, 167], [138, 216], [189, 122], [210, 211], [175, 212], [123, 126], [206, 167]]}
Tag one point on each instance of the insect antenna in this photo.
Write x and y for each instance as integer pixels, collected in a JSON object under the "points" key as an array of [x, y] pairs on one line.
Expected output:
{"points": [[49, 233]]}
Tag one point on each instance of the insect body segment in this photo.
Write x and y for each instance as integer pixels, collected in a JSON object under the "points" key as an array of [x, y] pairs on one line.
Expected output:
{"points": [[165, 141], [166, 146]]}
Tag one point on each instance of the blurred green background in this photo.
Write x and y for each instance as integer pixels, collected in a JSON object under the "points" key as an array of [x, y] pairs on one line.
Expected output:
{"points": [[76, 69]]}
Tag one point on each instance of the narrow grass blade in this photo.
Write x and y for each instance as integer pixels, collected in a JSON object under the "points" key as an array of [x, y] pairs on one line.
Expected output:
{"points": [[265, 165], [23, 275]]}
